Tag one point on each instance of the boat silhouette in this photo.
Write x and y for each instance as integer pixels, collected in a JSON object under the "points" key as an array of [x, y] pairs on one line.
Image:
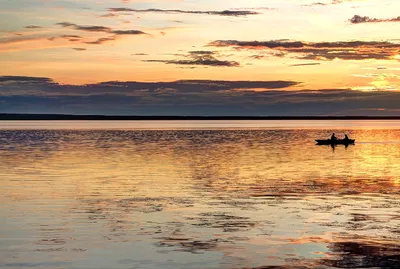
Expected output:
{"points": [[335, 141]]}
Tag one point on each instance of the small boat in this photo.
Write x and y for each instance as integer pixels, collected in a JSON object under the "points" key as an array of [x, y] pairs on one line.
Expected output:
{"points": [[336, 142]]}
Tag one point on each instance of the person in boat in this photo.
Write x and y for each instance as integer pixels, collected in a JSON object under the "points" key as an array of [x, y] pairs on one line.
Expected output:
{"points": [[346, 137], [333, 137]]}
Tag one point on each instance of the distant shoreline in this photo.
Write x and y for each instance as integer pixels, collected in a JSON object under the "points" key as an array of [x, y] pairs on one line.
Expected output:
{"points": [[61, 117]]}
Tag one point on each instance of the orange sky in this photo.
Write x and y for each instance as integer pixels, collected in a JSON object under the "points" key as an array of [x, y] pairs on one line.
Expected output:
{"points": [[78, 42]]}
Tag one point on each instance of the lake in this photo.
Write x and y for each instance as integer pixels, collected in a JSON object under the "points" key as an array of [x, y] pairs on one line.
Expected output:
{"points": [[199, 194]]}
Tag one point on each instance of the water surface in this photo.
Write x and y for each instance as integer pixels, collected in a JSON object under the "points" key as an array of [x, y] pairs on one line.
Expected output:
{"points": [[199, 195]]}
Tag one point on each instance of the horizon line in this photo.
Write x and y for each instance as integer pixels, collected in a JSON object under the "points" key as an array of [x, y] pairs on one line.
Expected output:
{"points": [[47, 116]]}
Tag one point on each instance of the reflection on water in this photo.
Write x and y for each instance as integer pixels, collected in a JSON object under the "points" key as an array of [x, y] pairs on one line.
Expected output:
{"points": [[267, 198]]}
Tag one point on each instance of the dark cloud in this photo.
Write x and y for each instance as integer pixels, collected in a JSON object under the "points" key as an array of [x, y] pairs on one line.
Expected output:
{"points": [[72, 38], [101, 40], [32, 27], [94, 28], [268, 54], [230, 13], [206, 62], [257, 57], [188, 97], [130, 87], [109, 15], [88, 28], [98, 28], [365, 19], [128, 32], [79, 49], [204, 58], [348, 50], [305, 64], [202, 52], [255, 8], [316, 4], [66, 24], [23, 79]]}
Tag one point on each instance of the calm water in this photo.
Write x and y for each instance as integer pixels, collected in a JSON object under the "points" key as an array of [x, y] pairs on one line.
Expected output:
{"points": [[199, 195]]}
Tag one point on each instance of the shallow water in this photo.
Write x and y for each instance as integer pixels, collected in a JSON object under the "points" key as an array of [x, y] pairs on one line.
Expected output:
{"points": [[191, 195]]}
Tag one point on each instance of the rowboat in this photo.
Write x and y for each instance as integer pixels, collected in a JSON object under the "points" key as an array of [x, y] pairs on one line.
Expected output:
{"points": [[336, 142]]}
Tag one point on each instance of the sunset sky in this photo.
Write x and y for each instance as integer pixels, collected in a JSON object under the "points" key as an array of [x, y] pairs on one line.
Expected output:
{"points": [[200, 57]]}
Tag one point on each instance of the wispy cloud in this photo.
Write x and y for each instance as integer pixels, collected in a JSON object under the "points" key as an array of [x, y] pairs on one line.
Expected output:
{"points": [[101, 40], [88, 28], [230, 13], [307, 64], [72, 38], [32, 27], [98, 28], [25, 79], [333, 2]]}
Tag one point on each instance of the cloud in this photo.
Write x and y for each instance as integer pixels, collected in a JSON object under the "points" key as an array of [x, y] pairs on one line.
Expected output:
{"points": [[204, 58], [32, 27], [66, 24], [131, 87], [97, 28], [316, 4], [207, 62], [307, 64], [101, 40], [333, 2], [91, 28], [79, 49], [202, 52], [72, 38], [109, 15], [37, 42], [230, 13], [188, 97], [365, 19], [344, 50], [24, 79], [128, 32], [18, 39]]}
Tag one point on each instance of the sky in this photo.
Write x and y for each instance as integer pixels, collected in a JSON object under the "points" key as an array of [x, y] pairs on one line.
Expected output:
{"points": [[200, 57]]}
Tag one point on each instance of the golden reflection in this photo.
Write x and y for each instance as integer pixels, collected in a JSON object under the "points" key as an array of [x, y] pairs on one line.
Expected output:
{"points": [[258, 197], [226, 162]]}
